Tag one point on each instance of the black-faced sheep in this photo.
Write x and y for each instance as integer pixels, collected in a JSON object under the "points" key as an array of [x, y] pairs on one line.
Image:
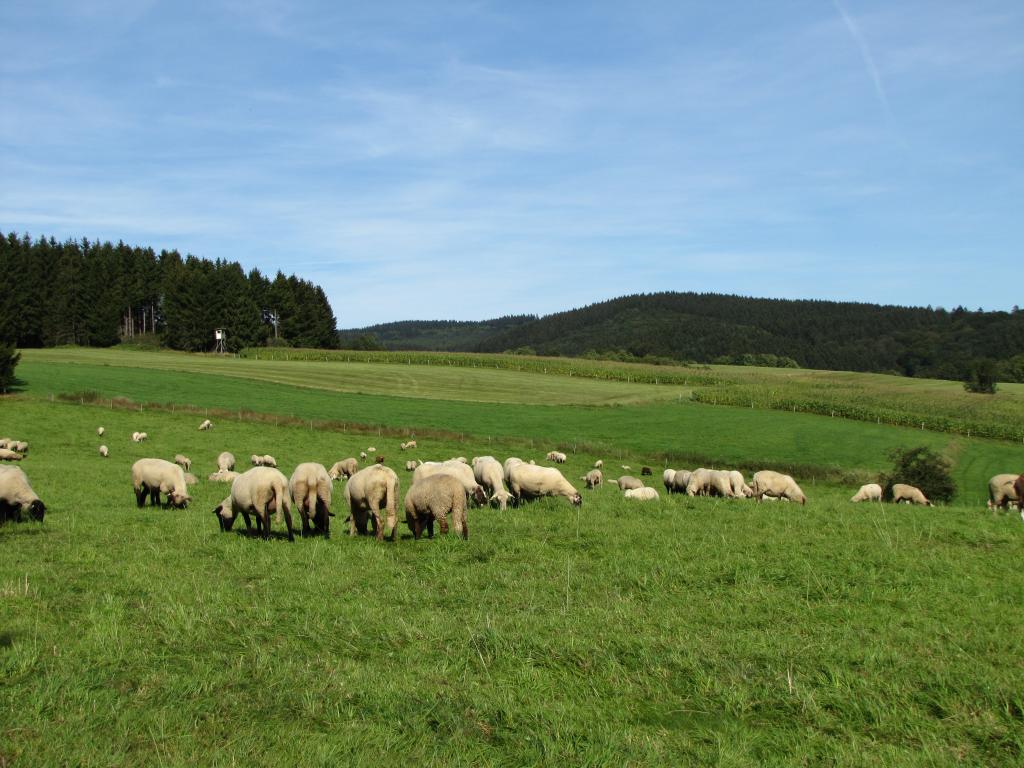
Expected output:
{"points": [[436, 498], [310, 486], [366, 492], [259, 492], [151, 477], [17, 497]]}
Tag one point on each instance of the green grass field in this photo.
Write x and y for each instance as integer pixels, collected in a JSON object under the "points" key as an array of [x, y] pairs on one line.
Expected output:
{"points": [[686, 631]]}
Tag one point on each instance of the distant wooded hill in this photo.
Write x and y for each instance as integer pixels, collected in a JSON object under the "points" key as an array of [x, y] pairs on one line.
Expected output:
{"points": [[709, 327]]}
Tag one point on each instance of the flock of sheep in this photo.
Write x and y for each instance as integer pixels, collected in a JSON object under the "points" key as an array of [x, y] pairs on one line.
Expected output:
{"points": [[441, 491]]}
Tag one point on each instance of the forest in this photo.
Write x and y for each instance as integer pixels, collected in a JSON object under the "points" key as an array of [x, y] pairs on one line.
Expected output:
{"points": [[99, 294], [710, 327]]}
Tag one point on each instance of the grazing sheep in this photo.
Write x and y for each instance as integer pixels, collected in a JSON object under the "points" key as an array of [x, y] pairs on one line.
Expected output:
{"points": [[371, 449], [17, 497], [681, 480], [510, 462], [100, 431], [1001, 491], [223, 476], [641, 494], [910, 494], [593, 478], [268, 460], [344, 468], [557, 456], [5, 442], [626, 482], [257, 461], [740, 489], [366, 492], [259, 491], [9, 455], [410, 466], [598, 464], [20, 446], [1018, 486], [699, 483], [436, 498], [667, 478], [205, 425], [644, 471], [625, 467], [310, 486], [190, 479], [139, 437], [491, 476], [530, 482], [183, 461], [769, 483], [869, 492], [226, 461], [408, 445], [104, 451], [151, 477], [362, 455], [462, 472]]}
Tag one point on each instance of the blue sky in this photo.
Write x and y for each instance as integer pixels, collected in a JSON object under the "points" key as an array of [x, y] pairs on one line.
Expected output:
{"points": [[466, 160]]}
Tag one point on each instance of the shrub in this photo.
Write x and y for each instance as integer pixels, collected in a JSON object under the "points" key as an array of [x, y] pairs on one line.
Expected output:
{"points": [[922, 468], [9, 358], [981, 377]]}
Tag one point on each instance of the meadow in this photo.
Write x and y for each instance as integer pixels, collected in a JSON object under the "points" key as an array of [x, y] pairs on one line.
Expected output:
{"points": [[687, 631]]}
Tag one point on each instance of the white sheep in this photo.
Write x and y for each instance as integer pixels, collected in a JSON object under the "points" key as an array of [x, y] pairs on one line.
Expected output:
{"points": [[344, 468], [868, 492], [20, 446], [910, 494], [681, 480], [151, 477], [769, 483], [310, 486], [190, 479], [183, 461], [268, 461], [556, 456], [205, 425], [104, 451], [510, 462], [490, 474], [1001, 491], [17, 497], [593, 478], [437, 497], [626, 482], [410, 466], [223, 476], [408, 446], [100, 431], [141, 437], [226, 461], [8, 455], [530, 482], [739, 486], [256, 460], [462, 472], [668, 478], [371, 449], [366, 492], [641, 494], [362, 455], [259, 491], [598, 464]]}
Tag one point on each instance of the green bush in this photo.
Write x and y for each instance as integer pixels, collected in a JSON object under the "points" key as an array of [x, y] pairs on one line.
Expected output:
{"points": [[9, 358], [981, 377], [922, 468]]}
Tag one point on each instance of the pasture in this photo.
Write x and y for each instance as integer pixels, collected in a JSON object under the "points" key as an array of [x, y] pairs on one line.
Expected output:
{"points": [[686, 631]]}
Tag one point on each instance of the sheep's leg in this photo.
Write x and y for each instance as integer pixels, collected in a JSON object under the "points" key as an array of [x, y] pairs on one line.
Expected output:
{"points": [[248, 521], [442, 521], [378, 524], [264, 516], [461, 524], [417, 528], [288, 522], [324, 516], [304, 514], [140, 497], [430, 526]]}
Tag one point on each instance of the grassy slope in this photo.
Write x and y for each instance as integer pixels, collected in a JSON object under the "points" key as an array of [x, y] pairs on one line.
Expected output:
{"points": [[699, 631], [682, 431]]}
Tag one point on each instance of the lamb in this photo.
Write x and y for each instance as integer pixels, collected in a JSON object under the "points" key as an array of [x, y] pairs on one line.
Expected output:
{"points": [[9, 455], [769, 483], [409, 445], [641, 494], [462, 472], [626, 482], [593, 478], [491, 476], [556, 456], [223, 476], [100, 431], [740, 489], [259, 491], [226, 462], [436, 498], [598, 464], [183, 461], [344, 468], [530, 482], [151, 477], [680, 480], [668, 477], [869, 492], [1001, 491], [205, 425], [910, 494], [17, 497], [104, 451], [310, 486], [367, 490]]}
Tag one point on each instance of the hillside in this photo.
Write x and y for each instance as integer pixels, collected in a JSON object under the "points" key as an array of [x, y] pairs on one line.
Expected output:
{"points": [[708, 327]]}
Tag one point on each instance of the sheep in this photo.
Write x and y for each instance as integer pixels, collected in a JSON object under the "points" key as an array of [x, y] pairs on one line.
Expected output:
{"points": [[5, 442], [410, 466], [769, 483], [1001, 491], [190, 479], [205, 425], [556, 456], [491, 476], [699, 483], [139, 437], [909, 494], [100, 431], [183, 461], [740, 489], [598, 464], [680, 480], [151, 477], [1018, 486], [104, 451], [626, 482], [645, 471], [310, 487], [344, 468], [268, 460], [17, 497], [223, 476], [667, 478], [462, 472], [436, 498], [256, 460], [460, 459], [380, 459], [259, 491], [721, 484], [371, 449], [367, 490], [408, 446], [869, 492], [510, 462], [362, 455], [20, 446], [642, 494], [593, 478], [626, 467], [530, 482], [9, 455], [226, 461]]}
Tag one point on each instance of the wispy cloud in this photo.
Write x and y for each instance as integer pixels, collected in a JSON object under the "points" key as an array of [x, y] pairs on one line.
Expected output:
{"points": [[865, 53]]}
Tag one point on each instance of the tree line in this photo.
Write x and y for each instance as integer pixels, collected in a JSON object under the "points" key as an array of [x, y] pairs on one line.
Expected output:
{"points": [[99, 294]]}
